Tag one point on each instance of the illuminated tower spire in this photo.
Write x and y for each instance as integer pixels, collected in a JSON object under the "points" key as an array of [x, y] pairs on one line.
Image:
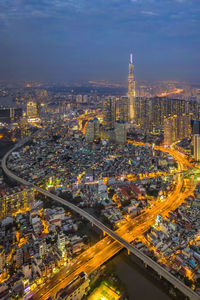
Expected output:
{"points": [[131, 89]]}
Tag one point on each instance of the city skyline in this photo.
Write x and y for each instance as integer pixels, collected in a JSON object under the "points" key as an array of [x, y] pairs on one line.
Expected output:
{"points": [[99, 149], [79, 41], [79, 158]]}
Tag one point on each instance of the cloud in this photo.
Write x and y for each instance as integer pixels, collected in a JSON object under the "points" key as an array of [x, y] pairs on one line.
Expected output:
{"points": [[72, 33], [149, 13], [138, 16], [58, 8]]}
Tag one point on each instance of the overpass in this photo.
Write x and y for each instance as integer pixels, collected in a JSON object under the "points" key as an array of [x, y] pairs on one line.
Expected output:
{"points": [[131, 249]]}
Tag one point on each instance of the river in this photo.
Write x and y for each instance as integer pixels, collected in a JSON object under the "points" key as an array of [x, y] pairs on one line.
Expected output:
{"points": [[139, 282]]}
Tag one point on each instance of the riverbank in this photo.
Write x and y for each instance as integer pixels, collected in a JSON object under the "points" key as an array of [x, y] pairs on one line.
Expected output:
{"points": [[140, 284]]}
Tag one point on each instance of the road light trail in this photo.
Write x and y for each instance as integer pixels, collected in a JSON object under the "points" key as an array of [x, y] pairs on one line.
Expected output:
{"points": [[105, 249]]}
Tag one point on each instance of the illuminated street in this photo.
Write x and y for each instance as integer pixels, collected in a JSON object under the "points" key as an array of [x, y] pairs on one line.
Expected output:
{"points": [[106, 248], [99, 150]]}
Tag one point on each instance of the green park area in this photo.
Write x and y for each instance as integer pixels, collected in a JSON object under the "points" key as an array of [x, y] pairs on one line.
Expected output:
{"points": [[104, 292]]}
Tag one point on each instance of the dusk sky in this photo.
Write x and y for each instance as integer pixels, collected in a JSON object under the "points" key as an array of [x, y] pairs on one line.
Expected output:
{"points": [[80, 40]]}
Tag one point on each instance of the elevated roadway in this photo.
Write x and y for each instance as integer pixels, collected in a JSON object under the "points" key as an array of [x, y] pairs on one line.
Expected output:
{"points": [[131, 249]]}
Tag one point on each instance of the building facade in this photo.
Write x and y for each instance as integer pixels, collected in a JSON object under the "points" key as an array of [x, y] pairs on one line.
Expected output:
{"points": [[120, 133], [92, 130], [195, 126], [76, 289], [176, 128], [150, 113], [123, 107], [109, 113], [196, 141], [2, 258], [15, 199], [32, 109], [9, 115]]}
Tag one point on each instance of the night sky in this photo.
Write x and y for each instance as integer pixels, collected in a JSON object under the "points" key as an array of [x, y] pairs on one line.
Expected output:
{"points": [[80, 40]]}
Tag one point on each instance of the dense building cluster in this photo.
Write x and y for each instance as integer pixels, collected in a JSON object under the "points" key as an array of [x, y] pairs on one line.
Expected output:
{"points": [[68, 159], [35, 245], [81, 153], [175, 240], [151, 113], [176, 128], [15, 199]]}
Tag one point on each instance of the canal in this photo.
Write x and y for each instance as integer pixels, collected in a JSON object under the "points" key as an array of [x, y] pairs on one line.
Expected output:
{"points": [[140, 284]]}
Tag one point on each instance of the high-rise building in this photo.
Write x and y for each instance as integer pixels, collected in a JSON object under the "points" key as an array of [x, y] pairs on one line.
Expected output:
{"points": [[195, 126], [142, 114], [176, 128], [24, 126], [85, 98], [79, 98], [123, 107], [19, 256], [92, 130], [96, 128], [162, 107], [89, 131], [109, 113], [120, 132], [15, 199], [131, 89], [2, 258], [151, 113], [196, 141], [32, 109], [8, 115]]}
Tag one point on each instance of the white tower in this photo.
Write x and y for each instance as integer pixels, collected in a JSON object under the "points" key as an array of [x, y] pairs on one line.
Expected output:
{"points": [[131, 89]]}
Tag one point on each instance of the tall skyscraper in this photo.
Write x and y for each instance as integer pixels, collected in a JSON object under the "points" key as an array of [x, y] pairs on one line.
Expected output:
{"points": [[109, 113], [92, 130], [131, 89], [32, 109], [196, 141], [123, 106], [9, 115], [176, 128], [120, 132], [142, 114]]}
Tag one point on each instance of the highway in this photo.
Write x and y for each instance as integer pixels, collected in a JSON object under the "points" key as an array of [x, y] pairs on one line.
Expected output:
{"points": [[106, 248]]}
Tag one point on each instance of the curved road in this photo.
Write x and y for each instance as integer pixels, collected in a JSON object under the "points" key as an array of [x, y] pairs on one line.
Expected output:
{"points": [[148, 261]]}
